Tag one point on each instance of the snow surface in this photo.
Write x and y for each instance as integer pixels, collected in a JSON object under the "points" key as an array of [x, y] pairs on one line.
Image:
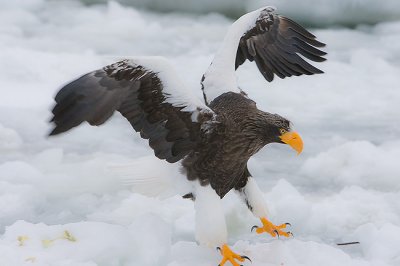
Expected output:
{"points": [[345, 186], [312, 12]]}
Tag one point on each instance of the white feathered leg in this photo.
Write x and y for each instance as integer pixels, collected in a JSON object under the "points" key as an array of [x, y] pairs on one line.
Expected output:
{"points": [[210, 224], [253, 197], [210, 219]]}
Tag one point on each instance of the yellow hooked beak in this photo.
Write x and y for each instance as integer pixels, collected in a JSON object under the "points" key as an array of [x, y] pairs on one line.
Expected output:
{"points": [[294, 140]]}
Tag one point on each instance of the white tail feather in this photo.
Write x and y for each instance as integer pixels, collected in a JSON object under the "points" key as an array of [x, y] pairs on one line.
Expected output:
{"points": [[151, 177]]}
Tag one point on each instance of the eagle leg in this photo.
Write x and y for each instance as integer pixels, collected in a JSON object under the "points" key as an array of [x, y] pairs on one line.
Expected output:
{"points": [[254, 199], [270, 228], [229, 255]]}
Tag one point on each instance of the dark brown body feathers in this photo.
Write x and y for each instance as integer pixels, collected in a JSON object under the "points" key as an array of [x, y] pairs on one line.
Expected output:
{"points": [[220, 158]]}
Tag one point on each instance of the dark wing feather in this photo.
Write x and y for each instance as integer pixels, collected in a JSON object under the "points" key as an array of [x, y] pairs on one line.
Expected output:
{"points": [[137, 93], [275, 43]]}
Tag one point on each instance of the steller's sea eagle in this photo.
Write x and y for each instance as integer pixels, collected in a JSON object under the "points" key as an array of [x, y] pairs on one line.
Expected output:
{"points": [[213, 139]]}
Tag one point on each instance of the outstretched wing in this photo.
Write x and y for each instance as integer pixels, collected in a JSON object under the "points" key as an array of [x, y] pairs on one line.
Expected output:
{"points": [[275, 43], [144, 91], [278, 45]]}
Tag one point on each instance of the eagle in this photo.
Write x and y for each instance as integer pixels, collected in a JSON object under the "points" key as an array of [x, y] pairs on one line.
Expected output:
{"points": [[214, 138]]}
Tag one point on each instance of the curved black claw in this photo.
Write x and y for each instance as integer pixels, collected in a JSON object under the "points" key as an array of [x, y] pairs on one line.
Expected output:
{"points": [[246, 258], [277, 233], [218, 248], [290, 233], [288, 224], [254, 227]]}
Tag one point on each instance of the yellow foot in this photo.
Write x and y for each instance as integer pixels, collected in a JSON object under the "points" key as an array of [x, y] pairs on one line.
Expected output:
{"points": [[270, 228], [229, 255]]}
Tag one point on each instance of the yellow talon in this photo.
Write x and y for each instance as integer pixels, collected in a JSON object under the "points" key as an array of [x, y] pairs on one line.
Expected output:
{"points": [[229, 255], [270, 228]]}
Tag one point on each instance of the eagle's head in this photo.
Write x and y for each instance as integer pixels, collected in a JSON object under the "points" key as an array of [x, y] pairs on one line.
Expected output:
{"points": [[278, 129]]}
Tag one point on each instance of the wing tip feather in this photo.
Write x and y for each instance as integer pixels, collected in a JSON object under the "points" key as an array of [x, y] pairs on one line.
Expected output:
{"points": [[297, 43]]}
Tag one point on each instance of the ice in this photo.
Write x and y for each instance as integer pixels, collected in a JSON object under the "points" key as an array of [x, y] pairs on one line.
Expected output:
{"points": [[381, 240], [326, 12], [357, 163], [316, 12], [344, 187], [9, 139]]}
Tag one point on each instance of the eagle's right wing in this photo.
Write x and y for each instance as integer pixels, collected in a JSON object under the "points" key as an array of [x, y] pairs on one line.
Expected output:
{"points": [[147, 93], [278, 45]]}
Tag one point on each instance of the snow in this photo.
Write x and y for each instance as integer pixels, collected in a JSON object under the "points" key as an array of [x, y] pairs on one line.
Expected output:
{"points": [[344, 187], [326, 12], [323, 12]]}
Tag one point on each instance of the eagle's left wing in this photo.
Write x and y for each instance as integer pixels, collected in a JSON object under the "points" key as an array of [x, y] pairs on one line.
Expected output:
{"points": [[147, 92]]}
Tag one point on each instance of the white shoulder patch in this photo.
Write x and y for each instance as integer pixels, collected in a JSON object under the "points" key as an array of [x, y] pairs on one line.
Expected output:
{"points": [[174, 90], [220, 77]]}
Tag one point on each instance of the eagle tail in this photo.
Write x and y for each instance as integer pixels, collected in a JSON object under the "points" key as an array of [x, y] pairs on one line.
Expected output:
{"points": [[150, 177]]}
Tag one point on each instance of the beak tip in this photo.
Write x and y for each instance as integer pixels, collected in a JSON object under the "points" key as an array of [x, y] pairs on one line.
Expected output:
{"points": [[294, 140]]}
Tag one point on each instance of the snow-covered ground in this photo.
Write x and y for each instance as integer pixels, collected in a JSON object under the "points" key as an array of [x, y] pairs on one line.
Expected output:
{"points": [[344, 187], [314, 12]]}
